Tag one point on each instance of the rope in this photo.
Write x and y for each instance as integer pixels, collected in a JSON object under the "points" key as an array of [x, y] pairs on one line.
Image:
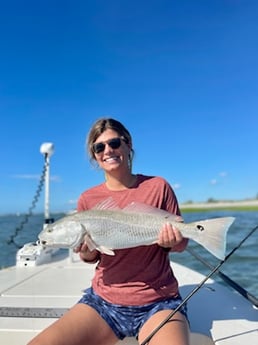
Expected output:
{"points": [[28, 215]]}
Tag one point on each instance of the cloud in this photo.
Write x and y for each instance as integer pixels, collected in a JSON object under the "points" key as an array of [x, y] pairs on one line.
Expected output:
{"points": [[54, 178], [26, 176], [176, 186], [72, 202], [215, 181]]}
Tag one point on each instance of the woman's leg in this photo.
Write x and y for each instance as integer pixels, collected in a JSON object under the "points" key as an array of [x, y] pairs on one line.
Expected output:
{"points": [[174, 332], [79, 326]]}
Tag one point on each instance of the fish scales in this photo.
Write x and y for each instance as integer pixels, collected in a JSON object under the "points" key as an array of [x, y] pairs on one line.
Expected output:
{"points": [[123, 230]]}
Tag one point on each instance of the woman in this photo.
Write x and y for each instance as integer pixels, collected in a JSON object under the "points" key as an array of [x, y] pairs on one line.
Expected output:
{"points": [[133, 291]]}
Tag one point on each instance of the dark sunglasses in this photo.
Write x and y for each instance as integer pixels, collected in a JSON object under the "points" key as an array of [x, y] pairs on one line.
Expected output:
{"points": [[114, 143]]}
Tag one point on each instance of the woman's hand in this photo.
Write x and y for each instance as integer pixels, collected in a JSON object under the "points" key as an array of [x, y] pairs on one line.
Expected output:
{"points": [[169, 236], [82, 248]]}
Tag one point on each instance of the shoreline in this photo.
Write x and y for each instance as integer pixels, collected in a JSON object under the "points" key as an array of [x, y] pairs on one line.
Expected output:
{"points": [[240, 205], [248, 205]]}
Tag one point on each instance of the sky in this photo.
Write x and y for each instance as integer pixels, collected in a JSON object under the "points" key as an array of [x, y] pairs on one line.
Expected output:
{"points": [[182, 76]]}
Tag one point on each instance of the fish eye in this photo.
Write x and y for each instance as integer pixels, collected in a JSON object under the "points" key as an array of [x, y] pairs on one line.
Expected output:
{"points": [[199, 227]]}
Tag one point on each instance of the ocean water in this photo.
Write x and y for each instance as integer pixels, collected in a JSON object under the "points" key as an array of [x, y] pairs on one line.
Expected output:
{"points": [[241, 266]]}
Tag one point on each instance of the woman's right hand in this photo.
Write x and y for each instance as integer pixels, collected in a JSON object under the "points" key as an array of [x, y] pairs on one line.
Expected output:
{"points": [[81, 248]]}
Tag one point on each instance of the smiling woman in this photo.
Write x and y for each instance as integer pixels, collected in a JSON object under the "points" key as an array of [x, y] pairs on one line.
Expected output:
{"points": [[120, 135], [125, 299]]}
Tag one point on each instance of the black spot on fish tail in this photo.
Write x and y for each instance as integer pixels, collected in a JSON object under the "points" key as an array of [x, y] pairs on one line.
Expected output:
{"points": [[199, 227]]}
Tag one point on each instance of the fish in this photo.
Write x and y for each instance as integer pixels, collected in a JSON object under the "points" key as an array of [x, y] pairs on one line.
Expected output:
{"points": [[107, 228]]}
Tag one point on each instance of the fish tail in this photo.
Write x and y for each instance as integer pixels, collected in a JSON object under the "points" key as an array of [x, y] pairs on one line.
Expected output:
{"points": [[211, 234]]}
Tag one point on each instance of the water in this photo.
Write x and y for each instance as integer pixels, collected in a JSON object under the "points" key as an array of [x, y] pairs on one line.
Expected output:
{"points": [[241, 266], [29, 233]]}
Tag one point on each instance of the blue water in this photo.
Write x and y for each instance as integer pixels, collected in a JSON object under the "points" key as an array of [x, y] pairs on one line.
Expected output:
{"points": [[241, 266]]}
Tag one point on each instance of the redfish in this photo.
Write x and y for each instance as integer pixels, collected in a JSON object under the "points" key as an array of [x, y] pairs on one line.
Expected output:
{"points": [[107, 228]]}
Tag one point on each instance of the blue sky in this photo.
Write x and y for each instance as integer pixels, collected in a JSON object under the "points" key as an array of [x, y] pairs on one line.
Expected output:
{"points": [[181, 75]]}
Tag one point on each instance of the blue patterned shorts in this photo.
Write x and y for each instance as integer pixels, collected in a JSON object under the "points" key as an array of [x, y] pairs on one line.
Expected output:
{"points": [[126, 321]]}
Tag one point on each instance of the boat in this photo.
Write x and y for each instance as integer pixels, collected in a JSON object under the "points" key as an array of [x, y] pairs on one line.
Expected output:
{"points": [[45, 283]]}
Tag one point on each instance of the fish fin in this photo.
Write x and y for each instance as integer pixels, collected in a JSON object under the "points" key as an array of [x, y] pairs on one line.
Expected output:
{"points": [[110, 204], [92, 245], [107, 204], [148, 209], [211, 234], [105, 250]]}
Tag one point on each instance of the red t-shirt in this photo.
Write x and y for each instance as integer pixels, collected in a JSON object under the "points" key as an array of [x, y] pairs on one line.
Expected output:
{"points": [[140, 275]]}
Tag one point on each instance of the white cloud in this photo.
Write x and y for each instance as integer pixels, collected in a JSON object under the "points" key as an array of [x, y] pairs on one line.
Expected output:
{"points": [[215, 181], [176, 186], [26, 176], [72, 202], [54, 178]]}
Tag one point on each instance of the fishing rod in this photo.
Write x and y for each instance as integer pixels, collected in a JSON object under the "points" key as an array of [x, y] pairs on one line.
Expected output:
{"points": [[214, 270], [251, 298]]}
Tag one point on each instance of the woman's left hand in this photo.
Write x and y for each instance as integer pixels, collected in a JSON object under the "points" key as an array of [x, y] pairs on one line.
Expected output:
{"points": [[169, 236]]}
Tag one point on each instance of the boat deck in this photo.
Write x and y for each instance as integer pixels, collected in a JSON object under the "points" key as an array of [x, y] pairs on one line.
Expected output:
{"points": [[32, 297]]}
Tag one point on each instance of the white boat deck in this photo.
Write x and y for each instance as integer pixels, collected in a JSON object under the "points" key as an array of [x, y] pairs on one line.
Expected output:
{"points": [[30, 297]]}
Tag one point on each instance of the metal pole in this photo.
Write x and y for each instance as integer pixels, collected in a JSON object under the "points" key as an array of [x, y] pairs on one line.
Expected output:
{"points": [[47, 187], [47, 149]]}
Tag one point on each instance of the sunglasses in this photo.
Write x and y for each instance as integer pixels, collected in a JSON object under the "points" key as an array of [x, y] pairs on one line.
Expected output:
{"points": [[114, 143]]}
